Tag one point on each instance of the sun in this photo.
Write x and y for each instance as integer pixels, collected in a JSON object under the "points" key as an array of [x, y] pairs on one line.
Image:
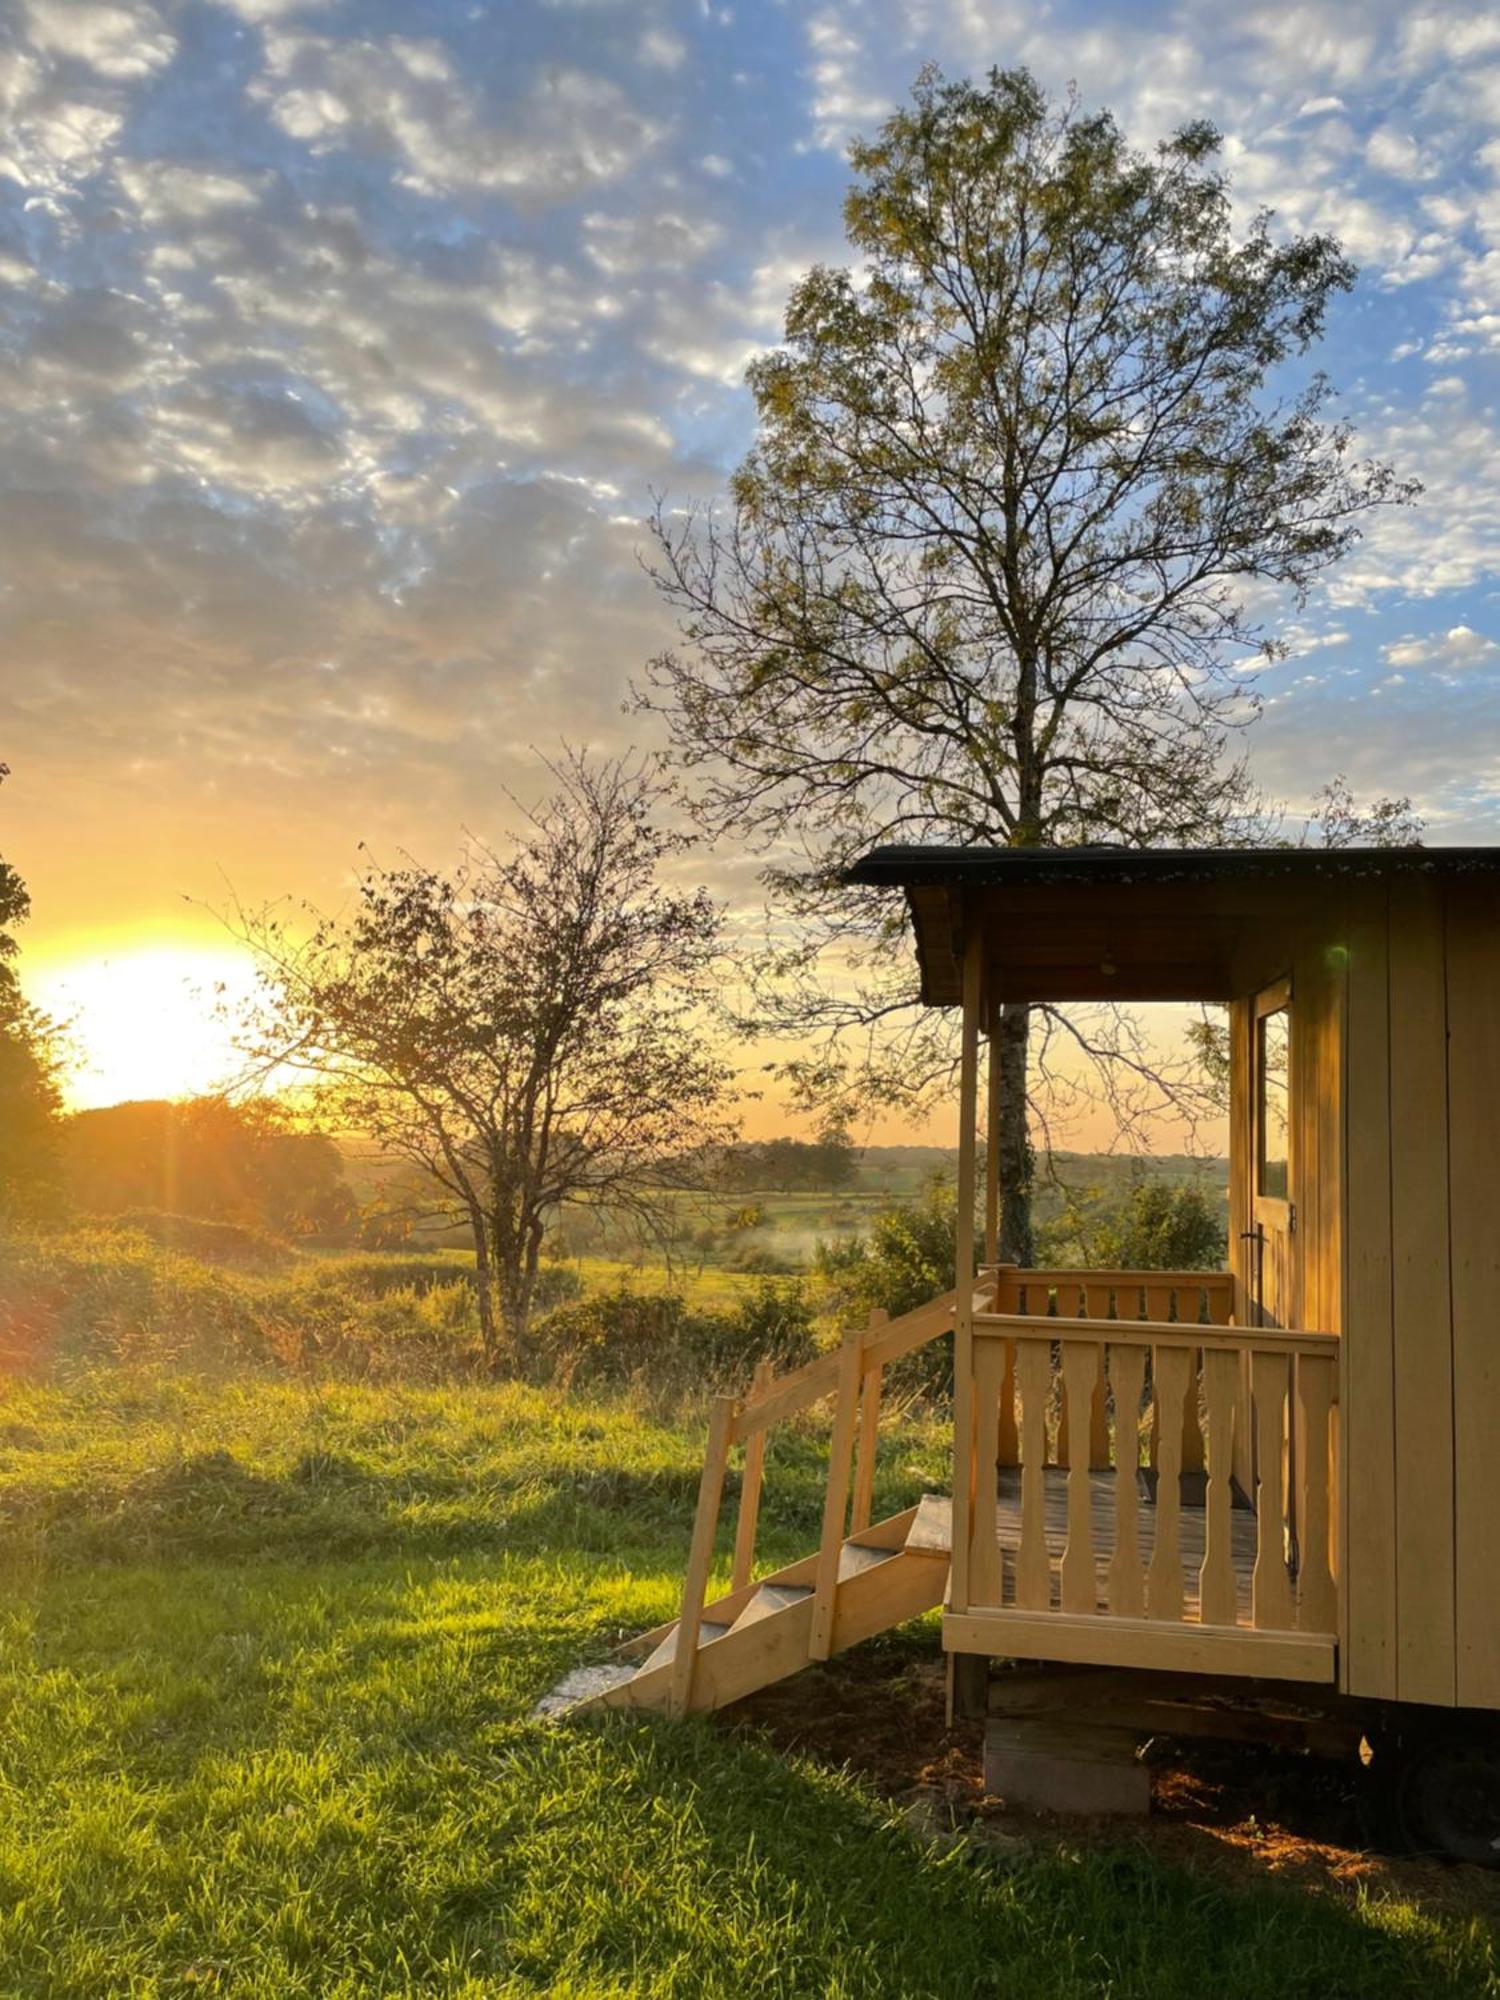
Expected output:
{"points": [[145, 1021]]}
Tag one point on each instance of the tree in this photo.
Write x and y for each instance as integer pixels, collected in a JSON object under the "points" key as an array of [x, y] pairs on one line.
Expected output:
{"points": [[30, 1071], [528, 1030], [989, 570]]}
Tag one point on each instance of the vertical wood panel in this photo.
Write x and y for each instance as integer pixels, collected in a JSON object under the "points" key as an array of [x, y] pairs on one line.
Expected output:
{"points": [[1421, 1311], [1368, 1598], [1473, 938]]}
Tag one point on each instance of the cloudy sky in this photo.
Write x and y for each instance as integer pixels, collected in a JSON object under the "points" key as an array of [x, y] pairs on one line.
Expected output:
{"points": [[342, 344]]}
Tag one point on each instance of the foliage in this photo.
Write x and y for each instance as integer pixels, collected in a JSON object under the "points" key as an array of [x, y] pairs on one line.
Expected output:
{"points": [[31, 1064], [528, 1031], [657, 1340], [906, 1258], [235, 1244], [267, 1664], [1339, 820], [1022, 488], [209, 1157], [1155, 1227]]}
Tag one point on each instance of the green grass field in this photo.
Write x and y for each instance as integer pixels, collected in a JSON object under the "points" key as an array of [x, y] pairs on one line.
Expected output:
{"points": [[267, 1663]]}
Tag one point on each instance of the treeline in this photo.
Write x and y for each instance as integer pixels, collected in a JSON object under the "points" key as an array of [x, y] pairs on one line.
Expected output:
{"points": [[208, 1158], [785, 1166]]}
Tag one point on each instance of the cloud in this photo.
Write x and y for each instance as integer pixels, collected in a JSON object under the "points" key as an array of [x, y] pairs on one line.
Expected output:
{"points": [[339, 366], [1459, 646], [123, 43], [571, 130]]}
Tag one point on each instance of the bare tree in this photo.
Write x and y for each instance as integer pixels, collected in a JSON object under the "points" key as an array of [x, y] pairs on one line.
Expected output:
{"points": [[989, 570], [528, 1030]]}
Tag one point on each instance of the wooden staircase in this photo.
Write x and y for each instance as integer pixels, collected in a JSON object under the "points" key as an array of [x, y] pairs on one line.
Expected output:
{"points": [[864, 1577], [762, 1633]]}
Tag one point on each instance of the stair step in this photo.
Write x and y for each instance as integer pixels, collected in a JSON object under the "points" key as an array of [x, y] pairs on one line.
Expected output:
{"points": [[582, 1684], [708, 1631], [856, 1557], [768, 1600], [932, 1531]]}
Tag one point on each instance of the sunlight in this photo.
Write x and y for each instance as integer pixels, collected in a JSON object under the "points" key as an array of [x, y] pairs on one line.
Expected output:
{"points": [[145, 1021]]}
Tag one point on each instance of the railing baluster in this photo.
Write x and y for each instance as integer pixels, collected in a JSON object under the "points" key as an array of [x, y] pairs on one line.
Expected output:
{"points": [[1270, 1584], [1218, 1602], [1317, 1599], [750, 1483], [1127, 1580], [1007, 1440], [1080, 1576], [1033, 1565], [984, 1557], [1171, 1368]]}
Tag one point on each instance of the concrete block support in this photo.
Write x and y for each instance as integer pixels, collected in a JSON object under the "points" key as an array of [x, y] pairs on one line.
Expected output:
{"points": [[1047, 1765]]}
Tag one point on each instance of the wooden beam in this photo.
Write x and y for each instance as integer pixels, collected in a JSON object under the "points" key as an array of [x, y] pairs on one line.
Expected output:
{"points": [[963, 1328], [1142, 1642]]}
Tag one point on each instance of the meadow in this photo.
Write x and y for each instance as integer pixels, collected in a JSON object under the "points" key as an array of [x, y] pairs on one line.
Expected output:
{"points": [[269, 1646]]}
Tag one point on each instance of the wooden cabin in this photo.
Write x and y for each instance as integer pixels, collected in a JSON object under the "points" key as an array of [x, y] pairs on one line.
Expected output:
{"points": [[1285, 1475]]}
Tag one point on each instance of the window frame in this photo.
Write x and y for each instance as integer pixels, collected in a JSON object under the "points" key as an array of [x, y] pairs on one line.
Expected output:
{"points": [[1273, 999]]}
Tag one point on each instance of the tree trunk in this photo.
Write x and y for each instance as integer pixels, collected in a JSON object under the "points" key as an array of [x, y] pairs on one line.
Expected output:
{"points": [[1012, 1142], [484, 1286]]}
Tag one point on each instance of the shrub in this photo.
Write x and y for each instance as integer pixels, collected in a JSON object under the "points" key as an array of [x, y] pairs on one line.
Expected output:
{"points": [[236, 1244], [656, 1337]]}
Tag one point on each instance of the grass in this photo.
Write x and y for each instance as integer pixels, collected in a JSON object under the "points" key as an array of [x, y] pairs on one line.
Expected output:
{"points": [[267, 1656]]}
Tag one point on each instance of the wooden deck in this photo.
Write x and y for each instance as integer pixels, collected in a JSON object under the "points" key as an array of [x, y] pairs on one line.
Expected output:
{"points": [[935, 1529]]}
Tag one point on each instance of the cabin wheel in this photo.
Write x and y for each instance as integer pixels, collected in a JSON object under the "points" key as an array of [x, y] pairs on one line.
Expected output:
{"points": [[1441, 1787]]}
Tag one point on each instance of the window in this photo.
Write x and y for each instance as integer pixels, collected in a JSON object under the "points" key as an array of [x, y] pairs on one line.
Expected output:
{"points": [[1273, 1049]]}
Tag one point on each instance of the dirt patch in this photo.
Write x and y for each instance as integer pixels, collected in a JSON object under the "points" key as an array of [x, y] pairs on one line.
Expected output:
{"points": [[1235, 1810]]}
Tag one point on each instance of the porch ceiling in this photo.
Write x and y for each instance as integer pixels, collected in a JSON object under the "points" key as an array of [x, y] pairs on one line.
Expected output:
{"points": [[1120, 923]]}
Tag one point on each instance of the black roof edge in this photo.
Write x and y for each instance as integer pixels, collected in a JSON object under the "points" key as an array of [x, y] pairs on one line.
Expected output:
{"points": [[937, 866]]}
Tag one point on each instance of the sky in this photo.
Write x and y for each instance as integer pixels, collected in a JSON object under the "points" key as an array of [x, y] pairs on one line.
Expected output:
{"points": [[343, 345]]}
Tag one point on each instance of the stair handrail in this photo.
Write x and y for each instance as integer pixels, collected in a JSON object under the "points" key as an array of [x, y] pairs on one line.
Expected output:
{"points": [[853, 1372]]}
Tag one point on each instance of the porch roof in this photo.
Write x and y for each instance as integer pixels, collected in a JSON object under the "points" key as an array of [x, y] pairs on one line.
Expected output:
{"points": [[1090, 923]]}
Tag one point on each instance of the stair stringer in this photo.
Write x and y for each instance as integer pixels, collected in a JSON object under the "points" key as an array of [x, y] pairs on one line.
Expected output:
{"points": [[776, 1646]]}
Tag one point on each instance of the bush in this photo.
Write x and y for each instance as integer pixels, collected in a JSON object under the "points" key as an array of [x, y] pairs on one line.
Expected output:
{"points": [[235, 1244], [1156, 1226], [657, 1338]]}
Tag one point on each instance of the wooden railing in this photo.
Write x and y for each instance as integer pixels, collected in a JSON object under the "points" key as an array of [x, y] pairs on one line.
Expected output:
{"points": [[852, 1374], [1166, 1383]]}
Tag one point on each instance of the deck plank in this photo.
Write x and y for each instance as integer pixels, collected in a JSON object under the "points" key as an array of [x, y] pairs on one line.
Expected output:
{"points": [[936, 1532]]}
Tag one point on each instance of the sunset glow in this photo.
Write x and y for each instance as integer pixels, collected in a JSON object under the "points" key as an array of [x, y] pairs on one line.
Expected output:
{"points": [[147, 1021]]}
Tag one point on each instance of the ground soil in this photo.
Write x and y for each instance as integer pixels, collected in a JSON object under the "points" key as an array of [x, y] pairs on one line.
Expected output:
{"points": [[1235, 1810]]}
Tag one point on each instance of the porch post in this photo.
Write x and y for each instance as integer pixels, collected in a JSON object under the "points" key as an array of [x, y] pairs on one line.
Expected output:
{"points": [[992, 1142], [963, 1319]]}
